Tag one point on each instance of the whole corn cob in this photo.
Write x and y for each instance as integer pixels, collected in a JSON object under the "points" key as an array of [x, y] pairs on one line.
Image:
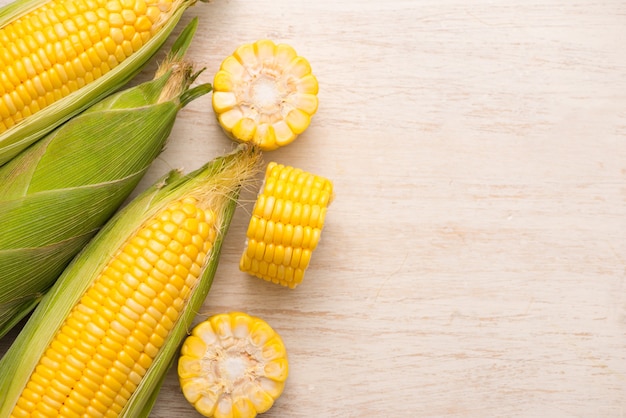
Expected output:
{"points": [[59, 56], [56, 194], [286, 224], [233, 365], [102, 339]]}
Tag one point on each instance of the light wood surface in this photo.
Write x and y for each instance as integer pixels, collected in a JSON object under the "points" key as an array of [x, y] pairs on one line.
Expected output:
{"points": [[473, 262]]}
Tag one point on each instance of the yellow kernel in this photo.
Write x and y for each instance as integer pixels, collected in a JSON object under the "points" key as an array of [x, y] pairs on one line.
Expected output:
{"points": [[80, 396], [162, 302], [153, 13], [43, 375], [48, 406], [268, 255], [191, 251], [119, 367], [151, 350], [109, 46], [17, 101], [120, 326], [114, 6], [134, 345], [116, 20], [257, 228], [106, 394], [96, 72], [162, 237], [205, 230], [143, 24], [186, 261], [164, 267], [140, 334], [145, 292], [155, 284], [172, 290], [191, 224], [134, 377], [30, 397], [139, 7], [129, 284], [136, 306], [111, 63], [126, 48], [97, 406], [113, 382], [129, 16], [128, 356], [175, 247], [184, 237]]}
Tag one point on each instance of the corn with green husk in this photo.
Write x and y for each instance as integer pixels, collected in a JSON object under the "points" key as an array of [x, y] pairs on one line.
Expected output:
{"points": [[57, 57], [100, 342], [56, 194]]}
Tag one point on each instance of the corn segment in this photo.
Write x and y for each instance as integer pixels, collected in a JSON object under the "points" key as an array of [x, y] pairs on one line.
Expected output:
{"points": [[286, 224], [55, 195], [233, 365], [265, 94], [59, 56], [101, 341]]}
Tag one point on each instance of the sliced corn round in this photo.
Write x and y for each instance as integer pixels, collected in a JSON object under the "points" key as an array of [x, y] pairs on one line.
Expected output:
{"points": [[286, 224], [232, 365], [265, 93]]}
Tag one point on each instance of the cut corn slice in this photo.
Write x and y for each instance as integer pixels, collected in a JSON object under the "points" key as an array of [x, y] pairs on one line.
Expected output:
{"points": [[266, 94], [59, 56], [101, 340], [233, 365], [286, 224]]}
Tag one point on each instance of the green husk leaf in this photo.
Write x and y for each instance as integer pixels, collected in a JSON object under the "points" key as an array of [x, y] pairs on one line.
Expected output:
{"points": [[34, 127], [56, 194], [181, 44], [192, 94], [216, 185]]}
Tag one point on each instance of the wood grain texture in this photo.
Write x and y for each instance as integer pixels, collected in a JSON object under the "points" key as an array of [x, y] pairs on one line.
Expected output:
{"points": [[473, 263]]}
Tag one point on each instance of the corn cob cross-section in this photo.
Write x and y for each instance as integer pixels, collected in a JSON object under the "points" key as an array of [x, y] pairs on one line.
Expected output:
{"points": [[101, 340], [286, 224], [53, 49], [233, 365], [265, 94]]}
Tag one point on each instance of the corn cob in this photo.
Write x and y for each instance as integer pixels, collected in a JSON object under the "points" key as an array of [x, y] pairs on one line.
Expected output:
{"points": [[286, 224], [265, 93], [102, 339], [56, 194], [233, 365], [59, 56]]}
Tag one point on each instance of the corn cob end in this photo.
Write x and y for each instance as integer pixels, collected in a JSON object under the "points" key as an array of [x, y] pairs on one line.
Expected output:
{"points": [[233, 365], [266, 94]]}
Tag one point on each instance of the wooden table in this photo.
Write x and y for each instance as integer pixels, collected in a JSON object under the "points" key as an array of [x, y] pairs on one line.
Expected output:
{"points": [[473, 262]]}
